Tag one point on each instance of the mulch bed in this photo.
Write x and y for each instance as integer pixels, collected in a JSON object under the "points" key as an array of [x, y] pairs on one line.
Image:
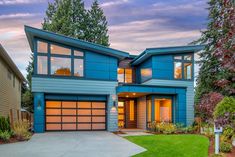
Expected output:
{"points": [[212, 149], [11, 140]]}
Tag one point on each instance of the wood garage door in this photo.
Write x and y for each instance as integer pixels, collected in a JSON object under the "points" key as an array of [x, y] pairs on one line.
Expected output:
{"points": [[70, 115]]}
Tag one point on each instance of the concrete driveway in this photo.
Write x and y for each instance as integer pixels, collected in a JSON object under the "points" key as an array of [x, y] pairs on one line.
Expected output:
{"points": [[72, 144]]}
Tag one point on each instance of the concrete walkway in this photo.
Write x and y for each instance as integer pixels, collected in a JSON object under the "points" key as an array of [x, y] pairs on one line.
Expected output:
{"points": [[72, 144]]}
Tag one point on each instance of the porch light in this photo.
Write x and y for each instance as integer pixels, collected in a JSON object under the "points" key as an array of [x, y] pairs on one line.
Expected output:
{"points": [[134, 93], [127, 96]]}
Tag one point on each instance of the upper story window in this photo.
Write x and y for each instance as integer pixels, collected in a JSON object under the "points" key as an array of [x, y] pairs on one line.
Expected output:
{"points": [[59, 61], [146, 73], [183, 67], [42, 47], [125, 75]]}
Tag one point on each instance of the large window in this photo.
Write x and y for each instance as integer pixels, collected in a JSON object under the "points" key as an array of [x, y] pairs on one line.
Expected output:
{"points": [[163, 110], [60, 66], [60, 61], [183, 67], [125, 75]]}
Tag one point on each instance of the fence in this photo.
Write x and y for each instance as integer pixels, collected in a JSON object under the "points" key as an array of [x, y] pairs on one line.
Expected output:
{"points": [[16, 115]]}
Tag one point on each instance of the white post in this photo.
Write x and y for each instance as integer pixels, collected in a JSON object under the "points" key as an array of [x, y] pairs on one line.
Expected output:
{"points": [[216, 143], [217, 131]]}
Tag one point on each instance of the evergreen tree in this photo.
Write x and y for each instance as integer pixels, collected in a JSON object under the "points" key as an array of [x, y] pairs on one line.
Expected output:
{"points": [[98, 30], [217, 69], [27, 96]]}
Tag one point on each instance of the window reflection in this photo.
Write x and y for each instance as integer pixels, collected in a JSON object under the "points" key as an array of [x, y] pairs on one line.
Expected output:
{"points": [[187, 70], [60, 66], [120, 75], [78, 67], [188, 57], [42, 65], [42, 47], [177, 70], [60, 50], [146, 73]]}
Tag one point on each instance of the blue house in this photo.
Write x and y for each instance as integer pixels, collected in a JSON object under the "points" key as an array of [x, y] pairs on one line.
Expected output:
{"points": [[78, 85]]}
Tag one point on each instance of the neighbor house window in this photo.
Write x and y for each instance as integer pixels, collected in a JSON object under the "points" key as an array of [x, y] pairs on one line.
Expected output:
{"points": [[146, 73], [42, 65], [60, 66], [59, 59], [55, 49], [42, 47], [183, 67], [125, 75]]}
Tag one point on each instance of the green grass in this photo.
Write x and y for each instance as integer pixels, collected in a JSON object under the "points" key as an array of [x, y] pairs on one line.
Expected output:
{"points": [[172, 145]]}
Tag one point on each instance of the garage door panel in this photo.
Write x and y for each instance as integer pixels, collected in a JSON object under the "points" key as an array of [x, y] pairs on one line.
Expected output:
{"points": [[53, 119], [69, 112], [69, 126], [98, 119], [84, 111], [67, 104], [84, 119], [69, 119], [98, 105], [98, 112], [98, 126], [53, 112], [84, 126], [53, 126], [53, 104], [84, 104]]}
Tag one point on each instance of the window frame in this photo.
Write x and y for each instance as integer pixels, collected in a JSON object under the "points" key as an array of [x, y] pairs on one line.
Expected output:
{"points": [[49, 55], [183, 61]]}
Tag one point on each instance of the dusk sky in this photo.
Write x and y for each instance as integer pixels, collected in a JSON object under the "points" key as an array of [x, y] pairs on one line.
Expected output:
{"points": [[133, 24]]}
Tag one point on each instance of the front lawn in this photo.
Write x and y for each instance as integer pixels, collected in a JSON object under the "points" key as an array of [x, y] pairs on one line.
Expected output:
{"points": [[172, 145]]}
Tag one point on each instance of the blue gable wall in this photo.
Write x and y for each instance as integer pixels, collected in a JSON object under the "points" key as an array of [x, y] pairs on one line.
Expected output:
{"points": [[98, 66], [163, 67]]}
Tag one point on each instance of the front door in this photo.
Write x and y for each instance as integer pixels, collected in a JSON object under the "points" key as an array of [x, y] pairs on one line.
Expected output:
{"points": [[127, 114]]}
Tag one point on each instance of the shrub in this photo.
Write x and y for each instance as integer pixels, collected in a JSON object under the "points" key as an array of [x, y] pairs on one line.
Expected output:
{"points": [[21, 130], [206, 106], [5, 136], [224, 113], [166, 128], [225, 147], [228, 132], [5, 124]]}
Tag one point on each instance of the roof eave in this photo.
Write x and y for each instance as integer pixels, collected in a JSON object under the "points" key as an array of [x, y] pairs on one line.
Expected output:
{"points": [[34, 32]]}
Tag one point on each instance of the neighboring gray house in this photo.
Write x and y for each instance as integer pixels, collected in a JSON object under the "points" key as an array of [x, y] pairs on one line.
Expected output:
{"points": [[10, 85]]}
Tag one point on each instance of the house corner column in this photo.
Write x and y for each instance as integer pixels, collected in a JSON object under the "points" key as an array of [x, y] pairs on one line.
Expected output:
{"points": [[112, 119], [39, 112]]}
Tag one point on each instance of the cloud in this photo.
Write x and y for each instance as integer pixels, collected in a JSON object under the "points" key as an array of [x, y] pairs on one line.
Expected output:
{"points": [[136, 36], [14, 2], [114, 3], [17, 15]]}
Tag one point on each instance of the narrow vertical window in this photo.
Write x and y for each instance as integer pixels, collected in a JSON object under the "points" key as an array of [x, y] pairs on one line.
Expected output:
{"points": [[128, 75], [42, 65], [149, 111], [177, 70], [132, 110], [78, 67], [188, 71], [121, 75]]}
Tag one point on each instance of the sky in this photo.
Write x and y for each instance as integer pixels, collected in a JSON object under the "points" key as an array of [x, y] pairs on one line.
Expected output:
{"points": [[134, 25]]}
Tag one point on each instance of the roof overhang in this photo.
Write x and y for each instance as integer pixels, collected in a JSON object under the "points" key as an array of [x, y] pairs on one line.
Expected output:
{"points": [[32, 33], [164, 51], [7, 59]]}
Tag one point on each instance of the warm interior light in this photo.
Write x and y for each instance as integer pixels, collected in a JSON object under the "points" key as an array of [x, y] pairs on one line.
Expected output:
{"points": [[134, 93], [52, 47]]}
